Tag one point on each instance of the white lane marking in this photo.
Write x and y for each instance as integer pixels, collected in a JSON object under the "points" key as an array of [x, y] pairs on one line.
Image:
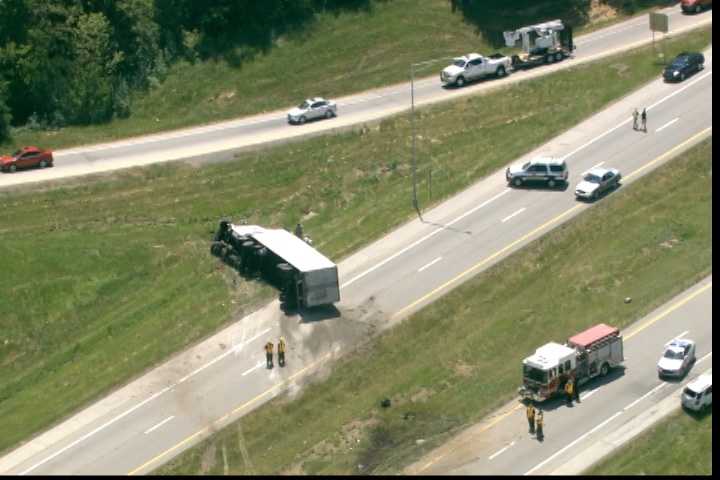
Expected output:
{"points": [[129, 411], [629, 119], [704, 358], [572, 444], [430, 264], [501, 450], [654, 390], [220, 357], [589, 393], [595, 166], [159, 424], [252, 369], [668, 124], [512, 215], [419, 241], [89, 434], [679, 336]]}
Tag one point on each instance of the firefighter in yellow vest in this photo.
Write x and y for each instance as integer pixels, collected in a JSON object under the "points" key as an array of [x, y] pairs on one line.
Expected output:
{"points": [[530, 412], [269, 354], [281, 352], [539, 424], [569, 388]]}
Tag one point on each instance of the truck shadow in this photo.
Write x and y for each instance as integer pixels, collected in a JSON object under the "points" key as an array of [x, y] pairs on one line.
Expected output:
{"points": [[597, 382], [541, 186], [312, 314]]}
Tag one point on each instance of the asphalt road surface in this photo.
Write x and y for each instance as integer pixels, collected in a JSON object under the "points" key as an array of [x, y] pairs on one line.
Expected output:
{"points": [[503, 446], [222, 140], [179, 403]]}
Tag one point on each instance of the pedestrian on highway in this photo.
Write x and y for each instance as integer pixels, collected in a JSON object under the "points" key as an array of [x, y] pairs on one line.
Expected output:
{"points": [[636, 114], [269, 354], [576, 390], [299, 231], [539, 425], [569, 391], [281, 352], [643, 117], [530, 412]]}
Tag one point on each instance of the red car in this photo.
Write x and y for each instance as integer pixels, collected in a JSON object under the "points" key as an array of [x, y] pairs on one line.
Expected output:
{"points": [[27, 157], [695, 6]]}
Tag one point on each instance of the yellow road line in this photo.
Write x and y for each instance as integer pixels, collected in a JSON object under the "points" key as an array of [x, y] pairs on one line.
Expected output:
{"points": [[224, 417], [665, 313]]}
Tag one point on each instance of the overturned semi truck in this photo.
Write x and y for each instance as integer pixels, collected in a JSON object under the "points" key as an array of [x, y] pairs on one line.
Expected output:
{"points": [[305, 277]]}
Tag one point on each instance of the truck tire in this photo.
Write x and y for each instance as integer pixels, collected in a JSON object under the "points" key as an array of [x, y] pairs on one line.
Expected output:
{"points": [[549, 59], [698, 9], [604, 369], [215, 248], [328, 114], [517, 182], [558, 56], [551, 183], [460, 82], [500, 72]]}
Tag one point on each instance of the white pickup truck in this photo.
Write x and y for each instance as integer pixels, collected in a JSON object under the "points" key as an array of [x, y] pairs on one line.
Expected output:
{"points": [[474, 66]]}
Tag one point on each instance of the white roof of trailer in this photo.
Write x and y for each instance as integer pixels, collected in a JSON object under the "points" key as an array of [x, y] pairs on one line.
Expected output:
{"points": [[286, 246]]}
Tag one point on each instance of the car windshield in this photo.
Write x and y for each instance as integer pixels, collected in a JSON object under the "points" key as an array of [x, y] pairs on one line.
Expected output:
{"points": [[673, 355], [18, 152], [535, 374], [690, 393], [304, 105], [679, 62], [592, 178], [526, 166], [459, 63]]}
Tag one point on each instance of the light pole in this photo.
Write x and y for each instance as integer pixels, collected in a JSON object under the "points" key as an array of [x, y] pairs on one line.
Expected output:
{"points": [[415, 204]]}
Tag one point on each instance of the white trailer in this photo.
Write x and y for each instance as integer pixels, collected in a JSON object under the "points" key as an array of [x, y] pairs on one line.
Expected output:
{"points": [[546, 42]]}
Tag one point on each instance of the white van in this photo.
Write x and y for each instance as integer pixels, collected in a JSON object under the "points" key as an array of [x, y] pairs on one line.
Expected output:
{"points": [[698, 393]]}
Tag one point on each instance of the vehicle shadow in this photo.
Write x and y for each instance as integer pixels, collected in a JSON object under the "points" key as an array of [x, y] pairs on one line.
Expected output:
{"points": [[560, 401], [541, 186], [314, 314]]}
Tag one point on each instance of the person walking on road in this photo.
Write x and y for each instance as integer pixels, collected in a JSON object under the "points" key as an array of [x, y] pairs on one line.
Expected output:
{"points": [[576, 391], [569, 391], [539, 425], [530, 412], [643, 117], [281, 352], [299, 231], [636, 114], [269, 354]]}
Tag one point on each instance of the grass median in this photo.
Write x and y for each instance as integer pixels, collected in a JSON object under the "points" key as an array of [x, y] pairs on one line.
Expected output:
{"points": [[377, 47], [679, 445], [458, 359], [107, 277]]}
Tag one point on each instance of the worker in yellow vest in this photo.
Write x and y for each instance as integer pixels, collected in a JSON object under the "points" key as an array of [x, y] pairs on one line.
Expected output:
{"points": [[269, 354], [281, 352], [539, 425], [530, 412], [569, 388]]}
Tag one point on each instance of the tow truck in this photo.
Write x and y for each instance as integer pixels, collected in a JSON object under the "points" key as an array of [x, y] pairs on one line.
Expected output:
{"points": [[542, 43], [584, 356]]}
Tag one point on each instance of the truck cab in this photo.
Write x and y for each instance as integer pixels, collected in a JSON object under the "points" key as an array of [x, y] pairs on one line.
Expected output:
{"points": [[474, 66], [546, 371]]}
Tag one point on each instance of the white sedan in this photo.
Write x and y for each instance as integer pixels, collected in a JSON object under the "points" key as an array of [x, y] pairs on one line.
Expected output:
{"points": [[311, 109], [596, 182], [678, 358]]}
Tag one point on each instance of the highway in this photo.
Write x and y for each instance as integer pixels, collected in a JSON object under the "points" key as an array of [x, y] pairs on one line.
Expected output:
{"points": [[146, 423], [503, 446], [221, 141]]}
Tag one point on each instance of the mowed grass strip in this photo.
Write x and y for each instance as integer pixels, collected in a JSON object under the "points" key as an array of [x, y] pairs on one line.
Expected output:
{"points": [[679, 445], [106, 278], [335, 55], [459, 359]]}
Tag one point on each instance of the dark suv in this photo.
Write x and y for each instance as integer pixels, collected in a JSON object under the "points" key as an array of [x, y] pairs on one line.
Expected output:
{"points": [[683, 66]]}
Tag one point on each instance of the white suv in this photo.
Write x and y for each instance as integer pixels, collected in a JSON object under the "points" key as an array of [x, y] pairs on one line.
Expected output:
{"points": [[698, 394], [540, 169]]}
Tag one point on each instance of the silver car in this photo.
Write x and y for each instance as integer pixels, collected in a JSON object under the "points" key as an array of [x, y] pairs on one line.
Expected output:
{"points": [[678, 358], [596, 182], [311, 109]]}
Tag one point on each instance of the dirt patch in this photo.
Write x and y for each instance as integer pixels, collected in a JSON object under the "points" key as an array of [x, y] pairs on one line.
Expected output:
{"points": [[670, 243], [463, 369], [422, 395], [600, 12]]}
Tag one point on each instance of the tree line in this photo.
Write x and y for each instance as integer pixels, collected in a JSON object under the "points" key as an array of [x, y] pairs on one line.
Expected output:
{"points": [[77, 62]]}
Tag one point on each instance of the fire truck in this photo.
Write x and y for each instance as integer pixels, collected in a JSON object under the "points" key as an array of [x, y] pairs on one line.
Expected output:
{"points": [[584, 356]]}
